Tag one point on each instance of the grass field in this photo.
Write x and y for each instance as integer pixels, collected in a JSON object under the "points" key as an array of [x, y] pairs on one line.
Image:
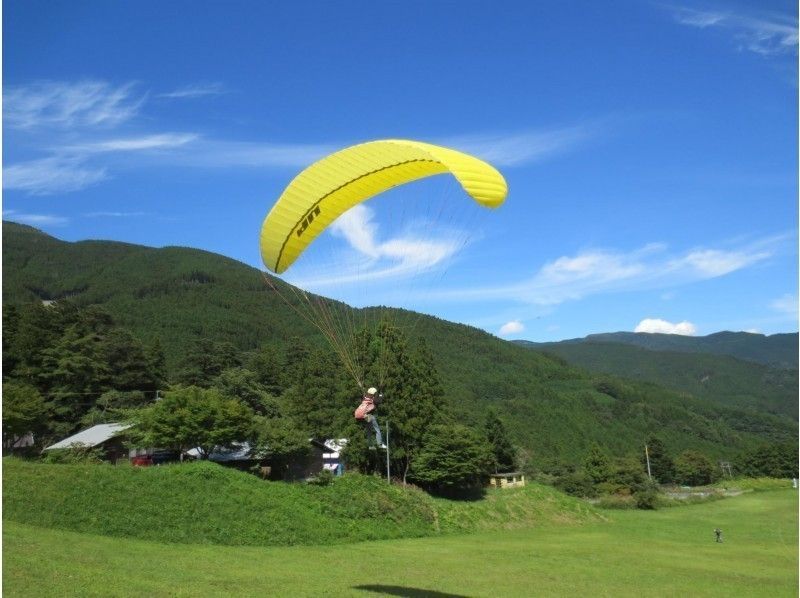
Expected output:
{"points": [[669, 552]]}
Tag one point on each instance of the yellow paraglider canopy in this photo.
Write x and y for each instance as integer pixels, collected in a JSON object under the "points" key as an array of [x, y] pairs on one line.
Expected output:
{"points": [[328, 188]]}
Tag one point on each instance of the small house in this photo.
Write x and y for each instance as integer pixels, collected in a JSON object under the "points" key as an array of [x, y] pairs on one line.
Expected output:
{"points": [[103, 436], [507, 480]]}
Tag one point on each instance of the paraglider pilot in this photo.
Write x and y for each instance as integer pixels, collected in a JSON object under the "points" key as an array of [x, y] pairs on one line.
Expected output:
{"points": [[365, 414]]}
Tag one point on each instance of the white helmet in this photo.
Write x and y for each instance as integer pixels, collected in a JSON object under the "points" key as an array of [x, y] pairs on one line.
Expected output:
{"points": [[372, 390]]}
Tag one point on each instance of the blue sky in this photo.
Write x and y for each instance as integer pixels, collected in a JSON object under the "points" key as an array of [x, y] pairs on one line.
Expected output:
{"points": [[650, 148]]}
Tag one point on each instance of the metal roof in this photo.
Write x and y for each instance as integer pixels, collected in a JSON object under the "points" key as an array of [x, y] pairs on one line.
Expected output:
{"points": [[91, 437]]}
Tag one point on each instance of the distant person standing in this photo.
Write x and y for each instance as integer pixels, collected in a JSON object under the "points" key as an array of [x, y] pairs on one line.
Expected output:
{"points": [[718, 534]]}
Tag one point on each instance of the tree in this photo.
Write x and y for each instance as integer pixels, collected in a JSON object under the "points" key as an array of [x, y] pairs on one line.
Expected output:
{"points": [[410, 385], [693, 468], [24, 410], [502, 449], [204, 361], [453, 459], [156, 361], [776, 460], [242, 384], [268, 369], [195, 417], [662, 468], [597, 465], [282, 441]]}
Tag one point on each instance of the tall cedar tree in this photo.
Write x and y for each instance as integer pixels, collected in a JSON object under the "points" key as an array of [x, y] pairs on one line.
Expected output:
{"points": [[411, 388], [204, 361], [597, 464], [502, 448], [318, 398], [453, 460]]}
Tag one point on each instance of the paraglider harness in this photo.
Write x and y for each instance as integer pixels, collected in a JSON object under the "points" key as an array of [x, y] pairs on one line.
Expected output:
{"points": [[363, 414]]}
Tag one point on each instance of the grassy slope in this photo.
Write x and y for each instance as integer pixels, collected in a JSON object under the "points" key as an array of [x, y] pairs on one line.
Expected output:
{"points": [[663, 553], [205, 503]]}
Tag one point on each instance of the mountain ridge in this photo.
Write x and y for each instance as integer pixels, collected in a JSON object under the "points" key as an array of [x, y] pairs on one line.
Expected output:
{"points": [[553, 409]]}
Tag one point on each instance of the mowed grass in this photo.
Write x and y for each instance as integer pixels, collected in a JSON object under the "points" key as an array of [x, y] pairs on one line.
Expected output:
{"points": [[664, 553]]}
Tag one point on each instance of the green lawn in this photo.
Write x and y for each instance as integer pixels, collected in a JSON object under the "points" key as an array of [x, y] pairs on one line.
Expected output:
{"points": [[670, 552]]}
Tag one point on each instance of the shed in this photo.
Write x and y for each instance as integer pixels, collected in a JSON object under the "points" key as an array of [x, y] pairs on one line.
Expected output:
{"points": [[514, 479], [104, 436]]}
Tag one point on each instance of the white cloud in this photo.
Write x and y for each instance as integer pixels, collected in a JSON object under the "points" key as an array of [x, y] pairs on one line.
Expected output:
{"points": [[753, 331], [194, 91], [766, 34], [656, 325], [35, 219], [51, 175], [114, 214], [522, 148], [710, 263], [68, 105], [787, 304], [132, 144], [371, 259], [512, 327], [592, 272]]}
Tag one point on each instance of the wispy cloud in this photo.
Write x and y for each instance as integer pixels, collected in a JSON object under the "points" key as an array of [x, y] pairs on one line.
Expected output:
{"points": [[132, 144], [51, 175], [35, 219], [251, 154], [664, 327], [516, 149], [512, 327], [194, 91], [370, 259], [787, 305], [765, 34], [115, 214], [591, 272], [68, 105], [78, 126]]}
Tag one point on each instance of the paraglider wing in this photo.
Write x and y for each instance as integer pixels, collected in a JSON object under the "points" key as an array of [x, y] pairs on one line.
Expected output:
{"points": [[336, 183]]}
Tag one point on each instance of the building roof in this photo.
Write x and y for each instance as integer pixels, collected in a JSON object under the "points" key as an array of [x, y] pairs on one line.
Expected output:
{"points": [[91, 437]]}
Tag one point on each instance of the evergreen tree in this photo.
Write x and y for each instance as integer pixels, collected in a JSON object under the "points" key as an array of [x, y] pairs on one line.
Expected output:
{"points": [[204, 361], [319, 400], [453, 459], [268, 369], [776, 460], [597, 464], [242, 384], [502, 449], [156, 362]]}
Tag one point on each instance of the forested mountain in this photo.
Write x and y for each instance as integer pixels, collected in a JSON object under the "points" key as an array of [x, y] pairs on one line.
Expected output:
{"points": [[778, 350], [719, 378], [186, 302]]}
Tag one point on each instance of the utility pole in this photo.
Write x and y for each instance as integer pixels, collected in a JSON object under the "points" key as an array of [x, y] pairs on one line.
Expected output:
{"points": [[388, 472], [647, 456]]}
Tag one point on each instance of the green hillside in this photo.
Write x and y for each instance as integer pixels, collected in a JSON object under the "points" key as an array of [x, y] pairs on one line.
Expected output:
{"points": [[553, 410], [205, 503], [719, 378], [779, 350]]}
